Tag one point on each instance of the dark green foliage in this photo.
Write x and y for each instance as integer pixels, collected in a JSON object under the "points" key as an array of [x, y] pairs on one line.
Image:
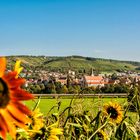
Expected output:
{"points": [[87, 90], [134, 99], [64, 89], [58, 87], [50, 88]]}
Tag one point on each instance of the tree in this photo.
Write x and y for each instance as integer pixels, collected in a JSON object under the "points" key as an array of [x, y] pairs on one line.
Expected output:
{"points": [[114, 76], [64, 89], [37, 89], [50, 88], [87, 90], [58, 87], [71, 90], [42, 87]]}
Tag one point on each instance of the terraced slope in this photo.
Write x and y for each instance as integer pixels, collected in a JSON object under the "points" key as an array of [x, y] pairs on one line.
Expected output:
{"points": [[77, 63]]}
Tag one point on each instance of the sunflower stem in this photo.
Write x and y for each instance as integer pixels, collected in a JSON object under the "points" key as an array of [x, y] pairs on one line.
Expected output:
{"points": [[36, 105], [98, 130]]}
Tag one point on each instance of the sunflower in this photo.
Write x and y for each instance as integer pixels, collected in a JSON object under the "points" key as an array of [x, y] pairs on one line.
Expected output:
{"points": [[102, 135], [114, 110], [13, 113], [37, 121], [54, 132], [17, 68]]}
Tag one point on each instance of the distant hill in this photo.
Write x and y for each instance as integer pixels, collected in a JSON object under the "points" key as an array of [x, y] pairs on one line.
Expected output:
{"points": [[77, 63]]}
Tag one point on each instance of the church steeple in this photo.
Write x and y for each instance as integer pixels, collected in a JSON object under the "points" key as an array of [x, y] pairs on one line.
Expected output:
{"points": [[92, 73]]}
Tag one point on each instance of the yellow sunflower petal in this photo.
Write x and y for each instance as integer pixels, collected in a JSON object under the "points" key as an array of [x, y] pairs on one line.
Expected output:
{"points": [[2, 65], [3, 128], [23, 108], [12, 112], [102, 135], [10, 127], [20, 95], [56, 131], [53, 137], [17, 68], [8, 116], [20, 117]]}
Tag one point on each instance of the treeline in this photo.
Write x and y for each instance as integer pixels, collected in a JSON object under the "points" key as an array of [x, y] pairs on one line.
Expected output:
{"points": [[57, 88], [52, 87]]}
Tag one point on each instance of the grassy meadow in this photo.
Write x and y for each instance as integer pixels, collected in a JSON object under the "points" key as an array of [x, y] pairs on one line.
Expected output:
{"points": [[91, 104], [48, 106]]}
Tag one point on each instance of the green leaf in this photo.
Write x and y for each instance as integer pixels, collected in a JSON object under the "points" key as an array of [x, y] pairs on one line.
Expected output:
{"points": [[75, 125]]}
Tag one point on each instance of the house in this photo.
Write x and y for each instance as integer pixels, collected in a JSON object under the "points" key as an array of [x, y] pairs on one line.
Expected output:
{"points": [[137, 79], [62, 80], [125, 80], [93, 81]]}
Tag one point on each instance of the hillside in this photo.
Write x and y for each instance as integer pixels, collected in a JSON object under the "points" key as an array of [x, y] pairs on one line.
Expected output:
{"points": [[77, 63]]}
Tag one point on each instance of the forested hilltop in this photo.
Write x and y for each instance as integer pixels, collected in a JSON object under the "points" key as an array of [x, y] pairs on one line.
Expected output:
{"points": [[79, 64]]}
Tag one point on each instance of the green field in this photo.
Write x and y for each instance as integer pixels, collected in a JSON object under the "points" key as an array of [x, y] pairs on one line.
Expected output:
{"points": [[86, 103], [78, 105]]}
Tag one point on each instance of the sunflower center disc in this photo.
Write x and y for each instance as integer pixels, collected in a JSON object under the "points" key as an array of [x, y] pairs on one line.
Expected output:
{"points": [[4, 94], [113, 112]]}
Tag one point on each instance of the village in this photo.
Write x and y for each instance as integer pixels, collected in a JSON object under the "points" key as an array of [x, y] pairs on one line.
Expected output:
{"points": [[41, 81]]}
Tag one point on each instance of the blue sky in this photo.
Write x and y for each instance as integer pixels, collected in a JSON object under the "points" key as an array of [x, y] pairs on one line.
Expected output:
{"points": [[95, 28]]}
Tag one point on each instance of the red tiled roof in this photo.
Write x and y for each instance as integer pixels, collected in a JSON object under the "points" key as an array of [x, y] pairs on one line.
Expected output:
{"points": [[62, 81], [95, 83], [93, 77]]}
